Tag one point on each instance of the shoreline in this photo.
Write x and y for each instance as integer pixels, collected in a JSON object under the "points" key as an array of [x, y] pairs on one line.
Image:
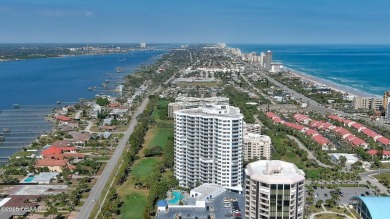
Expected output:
{"points": [[330, 84], [54, 107]]}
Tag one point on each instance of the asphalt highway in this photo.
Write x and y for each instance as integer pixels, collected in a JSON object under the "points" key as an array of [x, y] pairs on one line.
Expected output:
{"points": [[110, 167]]}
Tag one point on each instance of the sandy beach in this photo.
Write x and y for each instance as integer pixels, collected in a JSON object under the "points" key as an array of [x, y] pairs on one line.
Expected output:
{"points": [[330, 84]]}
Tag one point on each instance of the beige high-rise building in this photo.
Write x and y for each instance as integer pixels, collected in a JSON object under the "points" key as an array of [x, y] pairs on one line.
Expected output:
{"points": [[268, 60], [368, 103], [274, 189], [386, 98], [256, 146], [252, 128]]}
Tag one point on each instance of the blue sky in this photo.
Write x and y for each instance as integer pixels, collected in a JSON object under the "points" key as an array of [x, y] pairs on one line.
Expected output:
{"points": [[196, 21]]}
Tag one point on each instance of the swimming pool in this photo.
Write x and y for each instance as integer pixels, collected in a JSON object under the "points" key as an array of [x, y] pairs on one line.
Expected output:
{"points": [[176, 198], [29, 179]]}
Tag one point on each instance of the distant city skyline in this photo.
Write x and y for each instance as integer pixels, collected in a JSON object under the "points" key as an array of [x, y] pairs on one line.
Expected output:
{"points": [[190, 21]]}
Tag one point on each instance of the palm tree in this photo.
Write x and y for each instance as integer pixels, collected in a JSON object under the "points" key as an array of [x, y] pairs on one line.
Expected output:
{"points": [[319, 203]]}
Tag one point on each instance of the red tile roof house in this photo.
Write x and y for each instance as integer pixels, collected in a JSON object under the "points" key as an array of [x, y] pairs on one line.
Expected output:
{"points": [[302, 118], [52, 164], [311, 132], [63, 118], [361, 128], [359, 142], [114, 105], [385, 156], [370, 133], [324, 142], [317, 124], [383, 140], [326, 126], [342, 132], [294, 126], [358, 126], [271, 115], [61, 153]]}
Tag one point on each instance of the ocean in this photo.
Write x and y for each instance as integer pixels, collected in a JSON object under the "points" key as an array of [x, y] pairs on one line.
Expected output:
{"points": [[36, 85], [362, 67]]}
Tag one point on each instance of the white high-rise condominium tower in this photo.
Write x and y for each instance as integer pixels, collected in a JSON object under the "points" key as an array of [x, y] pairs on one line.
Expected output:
{"points": [[274, 189], [208, 146]]}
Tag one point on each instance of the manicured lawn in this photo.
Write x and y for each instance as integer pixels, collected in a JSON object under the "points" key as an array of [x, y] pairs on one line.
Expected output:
{"points": [[329, 216], [155, 115], [157, 137], [133, 205], [386, 165], [163, 103], [22, 154], [293, 158], [144, 167], [382, 175], [312, 173], [156, 111], [160, 137]]}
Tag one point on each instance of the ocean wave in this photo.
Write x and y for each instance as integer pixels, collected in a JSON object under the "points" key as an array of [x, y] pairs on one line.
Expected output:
{"points": [[343, 80]]}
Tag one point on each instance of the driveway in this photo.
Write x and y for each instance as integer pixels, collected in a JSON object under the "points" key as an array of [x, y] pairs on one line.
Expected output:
{"points": [[310, 154]]}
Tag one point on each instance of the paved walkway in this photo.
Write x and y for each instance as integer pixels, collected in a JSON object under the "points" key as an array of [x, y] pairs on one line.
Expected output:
{"points": [[257, 119], [310, 155], [313, 216], [323, 207], [346, 207], [89, 126]]}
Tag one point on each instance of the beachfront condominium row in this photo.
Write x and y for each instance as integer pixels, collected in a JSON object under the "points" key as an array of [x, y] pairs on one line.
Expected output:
{"points": [[386, 104], [368, 103], [274, 189], [264, 59], [374, 103], [208, 146]]}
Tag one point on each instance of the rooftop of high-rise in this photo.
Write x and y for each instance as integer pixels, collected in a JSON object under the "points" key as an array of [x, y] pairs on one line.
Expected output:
{"points": [[213, 110], [274, 172]]}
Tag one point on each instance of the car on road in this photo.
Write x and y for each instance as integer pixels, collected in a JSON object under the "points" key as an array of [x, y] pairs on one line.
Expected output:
{"points": [[228, 214], [226, 206], [238, 214]]}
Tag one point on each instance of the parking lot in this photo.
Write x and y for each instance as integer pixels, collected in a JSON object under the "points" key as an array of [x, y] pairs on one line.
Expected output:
{"points": [[347, 192], [219, 205], [216, 207]]}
